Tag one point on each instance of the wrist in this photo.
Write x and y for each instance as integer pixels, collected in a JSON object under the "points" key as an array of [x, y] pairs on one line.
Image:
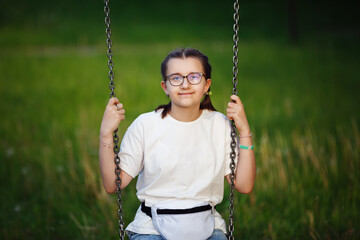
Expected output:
{"points": [[106, 143], [245, 132], [106, 137]]}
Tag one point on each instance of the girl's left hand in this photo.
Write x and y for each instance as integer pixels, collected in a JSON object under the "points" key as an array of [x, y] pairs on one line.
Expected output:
{"points": [[236, 112]]}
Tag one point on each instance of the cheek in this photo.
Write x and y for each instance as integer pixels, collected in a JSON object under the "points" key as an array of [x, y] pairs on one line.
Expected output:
{"points": [[204, 88], [170, 91]]}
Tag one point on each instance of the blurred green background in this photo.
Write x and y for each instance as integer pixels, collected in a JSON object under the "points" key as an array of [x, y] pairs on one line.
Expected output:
{"points": [[298, 80]]}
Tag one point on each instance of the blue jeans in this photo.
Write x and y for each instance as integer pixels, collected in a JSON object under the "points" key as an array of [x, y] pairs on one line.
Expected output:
{"points": [[216, 235]]}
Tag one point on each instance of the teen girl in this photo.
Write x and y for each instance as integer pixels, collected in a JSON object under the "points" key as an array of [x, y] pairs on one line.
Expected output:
{"points": [[180, 153]]}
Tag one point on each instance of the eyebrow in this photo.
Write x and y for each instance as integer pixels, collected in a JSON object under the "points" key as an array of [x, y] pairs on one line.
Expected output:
{"points": [[177, 73]]}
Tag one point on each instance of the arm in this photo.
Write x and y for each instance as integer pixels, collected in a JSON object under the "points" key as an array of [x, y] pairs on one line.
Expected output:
{"points": [[113, 115], [246, 168]]}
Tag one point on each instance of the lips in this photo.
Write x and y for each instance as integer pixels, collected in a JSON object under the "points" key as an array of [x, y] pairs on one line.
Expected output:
{"points": [[186, 93]]}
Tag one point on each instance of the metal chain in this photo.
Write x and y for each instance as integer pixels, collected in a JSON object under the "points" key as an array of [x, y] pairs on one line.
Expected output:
{"points": [[233, 128], [115, 135], [235, 47]]}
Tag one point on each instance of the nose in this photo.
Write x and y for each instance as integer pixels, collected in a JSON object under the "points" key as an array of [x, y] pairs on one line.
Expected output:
{"points": [[185, 83]]}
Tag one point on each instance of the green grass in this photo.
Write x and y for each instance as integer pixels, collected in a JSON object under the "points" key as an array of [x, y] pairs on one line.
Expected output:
{"points": [[301, 102]]}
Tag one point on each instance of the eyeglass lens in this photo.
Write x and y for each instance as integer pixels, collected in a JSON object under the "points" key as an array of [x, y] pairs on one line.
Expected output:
{"points": [[177, 79]]}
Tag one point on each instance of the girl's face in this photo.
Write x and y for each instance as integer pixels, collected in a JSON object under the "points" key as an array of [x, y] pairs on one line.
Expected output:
{"points": [[185, 95]]}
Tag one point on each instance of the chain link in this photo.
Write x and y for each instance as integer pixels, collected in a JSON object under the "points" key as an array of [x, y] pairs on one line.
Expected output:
{"points": [[111, 76], [233, 128]]}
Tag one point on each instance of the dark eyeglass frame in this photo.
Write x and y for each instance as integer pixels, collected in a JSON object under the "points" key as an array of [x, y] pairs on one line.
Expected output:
{"points": [[183, 78]]}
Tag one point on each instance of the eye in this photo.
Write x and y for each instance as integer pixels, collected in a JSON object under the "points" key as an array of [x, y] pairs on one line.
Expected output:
{"points": [[194, 76], [175, 78]]}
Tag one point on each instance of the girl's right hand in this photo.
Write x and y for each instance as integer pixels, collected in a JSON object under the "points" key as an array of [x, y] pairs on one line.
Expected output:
{"points": [[113, 115]]}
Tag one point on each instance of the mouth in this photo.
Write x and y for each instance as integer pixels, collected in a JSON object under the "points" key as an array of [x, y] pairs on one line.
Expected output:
{"points": [[186, 93]]}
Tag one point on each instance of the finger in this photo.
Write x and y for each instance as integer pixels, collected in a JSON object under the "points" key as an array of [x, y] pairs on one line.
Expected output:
{"points": [[119, 106], [113, 101], [233, 114], [236, 99], [122, 116], [121, 111], [230, 116], [232, 104], [234, 108]]}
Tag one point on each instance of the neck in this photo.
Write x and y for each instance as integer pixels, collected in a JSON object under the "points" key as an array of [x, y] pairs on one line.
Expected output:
{"points": [[185, 114]]}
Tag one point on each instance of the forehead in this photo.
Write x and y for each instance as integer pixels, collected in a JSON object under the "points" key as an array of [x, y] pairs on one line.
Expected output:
{"points": [[184, 66]]}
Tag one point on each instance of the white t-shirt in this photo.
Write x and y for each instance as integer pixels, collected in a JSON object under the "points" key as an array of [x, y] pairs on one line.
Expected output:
{"points": [[176, 160]]}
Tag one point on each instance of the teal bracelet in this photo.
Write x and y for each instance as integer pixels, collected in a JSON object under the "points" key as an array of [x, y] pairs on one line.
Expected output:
{"points": [[246, 147]]}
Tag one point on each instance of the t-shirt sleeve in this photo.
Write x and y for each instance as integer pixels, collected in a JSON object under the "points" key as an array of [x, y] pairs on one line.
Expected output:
{"points": [[131, 150], [228, 150]]}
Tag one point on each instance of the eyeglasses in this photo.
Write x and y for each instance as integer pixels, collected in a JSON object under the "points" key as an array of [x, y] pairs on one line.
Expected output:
{"points": [[177, 79]]}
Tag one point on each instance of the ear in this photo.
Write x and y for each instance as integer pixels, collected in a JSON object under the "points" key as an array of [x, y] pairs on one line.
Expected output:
{"points": [[207, 85], [164, 87]]}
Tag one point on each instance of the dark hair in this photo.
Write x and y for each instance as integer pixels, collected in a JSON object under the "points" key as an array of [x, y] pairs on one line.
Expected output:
{"points": [[185, 53]]}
